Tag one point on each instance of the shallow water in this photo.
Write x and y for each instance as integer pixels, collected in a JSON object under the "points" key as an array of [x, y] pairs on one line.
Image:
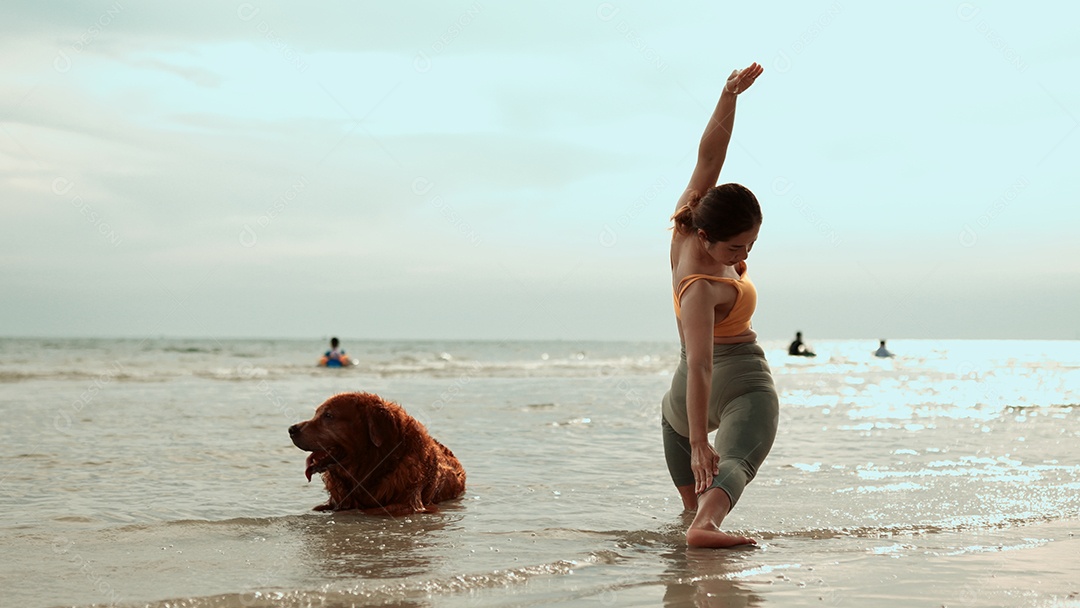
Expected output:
{"points": [[160, 473]]}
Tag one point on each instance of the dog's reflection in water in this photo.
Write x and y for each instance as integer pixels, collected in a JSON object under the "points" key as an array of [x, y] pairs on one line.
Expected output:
{"points": [[353, 545]]}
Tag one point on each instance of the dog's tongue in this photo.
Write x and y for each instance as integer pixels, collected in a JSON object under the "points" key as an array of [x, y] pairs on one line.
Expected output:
{"points": [[315, 463]]}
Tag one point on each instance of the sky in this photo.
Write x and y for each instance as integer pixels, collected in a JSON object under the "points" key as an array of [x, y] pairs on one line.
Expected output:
{"points": [[493, 171]]}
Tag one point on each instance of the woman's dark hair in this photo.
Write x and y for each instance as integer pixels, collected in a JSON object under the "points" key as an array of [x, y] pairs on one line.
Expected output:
{"points": [[725, 211]]}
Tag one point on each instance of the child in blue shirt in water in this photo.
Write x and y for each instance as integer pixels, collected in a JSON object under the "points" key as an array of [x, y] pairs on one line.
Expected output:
{"points": [[335, 357]]}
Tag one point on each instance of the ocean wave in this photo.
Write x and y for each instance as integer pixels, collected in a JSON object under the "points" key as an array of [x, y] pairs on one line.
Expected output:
{"points": [[248, 371], [374, 593], [904, 530]]}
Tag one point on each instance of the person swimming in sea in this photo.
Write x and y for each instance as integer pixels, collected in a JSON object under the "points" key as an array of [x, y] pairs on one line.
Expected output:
{"points": [[335, 357], [798, 349], [723, 382], [882, 351]]}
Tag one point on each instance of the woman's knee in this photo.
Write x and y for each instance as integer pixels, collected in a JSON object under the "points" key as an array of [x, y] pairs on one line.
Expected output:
{"points": [[734, 474]]}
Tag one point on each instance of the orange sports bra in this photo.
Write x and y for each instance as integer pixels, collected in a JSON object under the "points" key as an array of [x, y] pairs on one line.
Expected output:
{"points": [[737, 321]]}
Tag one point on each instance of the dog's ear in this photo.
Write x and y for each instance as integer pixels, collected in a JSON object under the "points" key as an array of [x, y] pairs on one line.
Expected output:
{"points": [[381, 425]]}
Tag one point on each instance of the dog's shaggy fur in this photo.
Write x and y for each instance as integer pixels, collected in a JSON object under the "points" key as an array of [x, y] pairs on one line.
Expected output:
{"points": [[375, 457]]}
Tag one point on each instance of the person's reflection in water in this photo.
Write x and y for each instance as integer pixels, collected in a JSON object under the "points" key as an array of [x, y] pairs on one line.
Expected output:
{"points": [[700, 577]]}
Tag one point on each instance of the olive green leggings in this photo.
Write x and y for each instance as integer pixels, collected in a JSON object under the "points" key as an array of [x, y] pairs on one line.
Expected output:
{"points": [[743, 408]]}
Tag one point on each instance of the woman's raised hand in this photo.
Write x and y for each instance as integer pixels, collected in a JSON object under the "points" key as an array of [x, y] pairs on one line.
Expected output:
{"points": [[740, 80]]}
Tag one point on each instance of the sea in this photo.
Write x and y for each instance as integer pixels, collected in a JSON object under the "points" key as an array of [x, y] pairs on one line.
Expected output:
{"points": [[159, 473]]}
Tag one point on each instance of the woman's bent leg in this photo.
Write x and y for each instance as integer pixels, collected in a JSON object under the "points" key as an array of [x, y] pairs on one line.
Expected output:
{"points": [[677, 455], [743, 440]]}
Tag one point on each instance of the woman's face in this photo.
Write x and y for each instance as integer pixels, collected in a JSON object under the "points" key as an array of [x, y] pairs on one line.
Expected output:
{"points": [[734, 250]]}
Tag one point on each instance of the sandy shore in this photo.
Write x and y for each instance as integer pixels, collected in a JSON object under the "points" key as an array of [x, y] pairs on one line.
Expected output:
{"points": [[1048, 574], [1022, 566]]}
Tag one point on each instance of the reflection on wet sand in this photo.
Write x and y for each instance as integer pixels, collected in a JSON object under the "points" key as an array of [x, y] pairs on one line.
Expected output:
{"points": [[709, 583], [352, 545], [703, 577]]}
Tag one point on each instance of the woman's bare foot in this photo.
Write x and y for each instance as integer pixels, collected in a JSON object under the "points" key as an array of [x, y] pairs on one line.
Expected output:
{"points": [[715, 539], [713, 506]]}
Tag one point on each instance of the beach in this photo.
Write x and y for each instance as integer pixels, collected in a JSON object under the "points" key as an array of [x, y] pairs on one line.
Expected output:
{"points": [[160, 473]]}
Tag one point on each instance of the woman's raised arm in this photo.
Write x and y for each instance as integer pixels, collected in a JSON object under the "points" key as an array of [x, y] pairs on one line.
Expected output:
{"points": [[714, 143]]}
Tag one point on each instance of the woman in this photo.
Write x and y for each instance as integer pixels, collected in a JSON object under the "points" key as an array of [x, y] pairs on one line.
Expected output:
{"points": [[723, 382]]}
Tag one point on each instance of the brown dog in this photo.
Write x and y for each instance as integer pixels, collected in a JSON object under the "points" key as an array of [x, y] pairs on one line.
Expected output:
{"points": [[375, 457]]}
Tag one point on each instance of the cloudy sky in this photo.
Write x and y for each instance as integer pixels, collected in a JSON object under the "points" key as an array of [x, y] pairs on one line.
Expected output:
{"points": [[506, 171]]}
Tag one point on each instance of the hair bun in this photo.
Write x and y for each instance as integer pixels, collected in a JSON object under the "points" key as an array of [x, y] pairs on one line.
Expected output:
{"points": [[694, 199]]}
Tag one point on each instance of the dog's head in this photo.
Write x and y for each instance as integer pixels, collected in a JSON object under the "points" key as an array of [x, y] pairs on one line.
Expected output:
{"points": [[348, 430]]}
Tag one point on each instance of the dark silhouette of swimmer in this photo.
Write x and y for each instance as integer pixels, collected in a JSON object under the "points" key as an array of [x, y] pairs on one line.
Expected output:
{"points": [[882, 351], [798, 349]]}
